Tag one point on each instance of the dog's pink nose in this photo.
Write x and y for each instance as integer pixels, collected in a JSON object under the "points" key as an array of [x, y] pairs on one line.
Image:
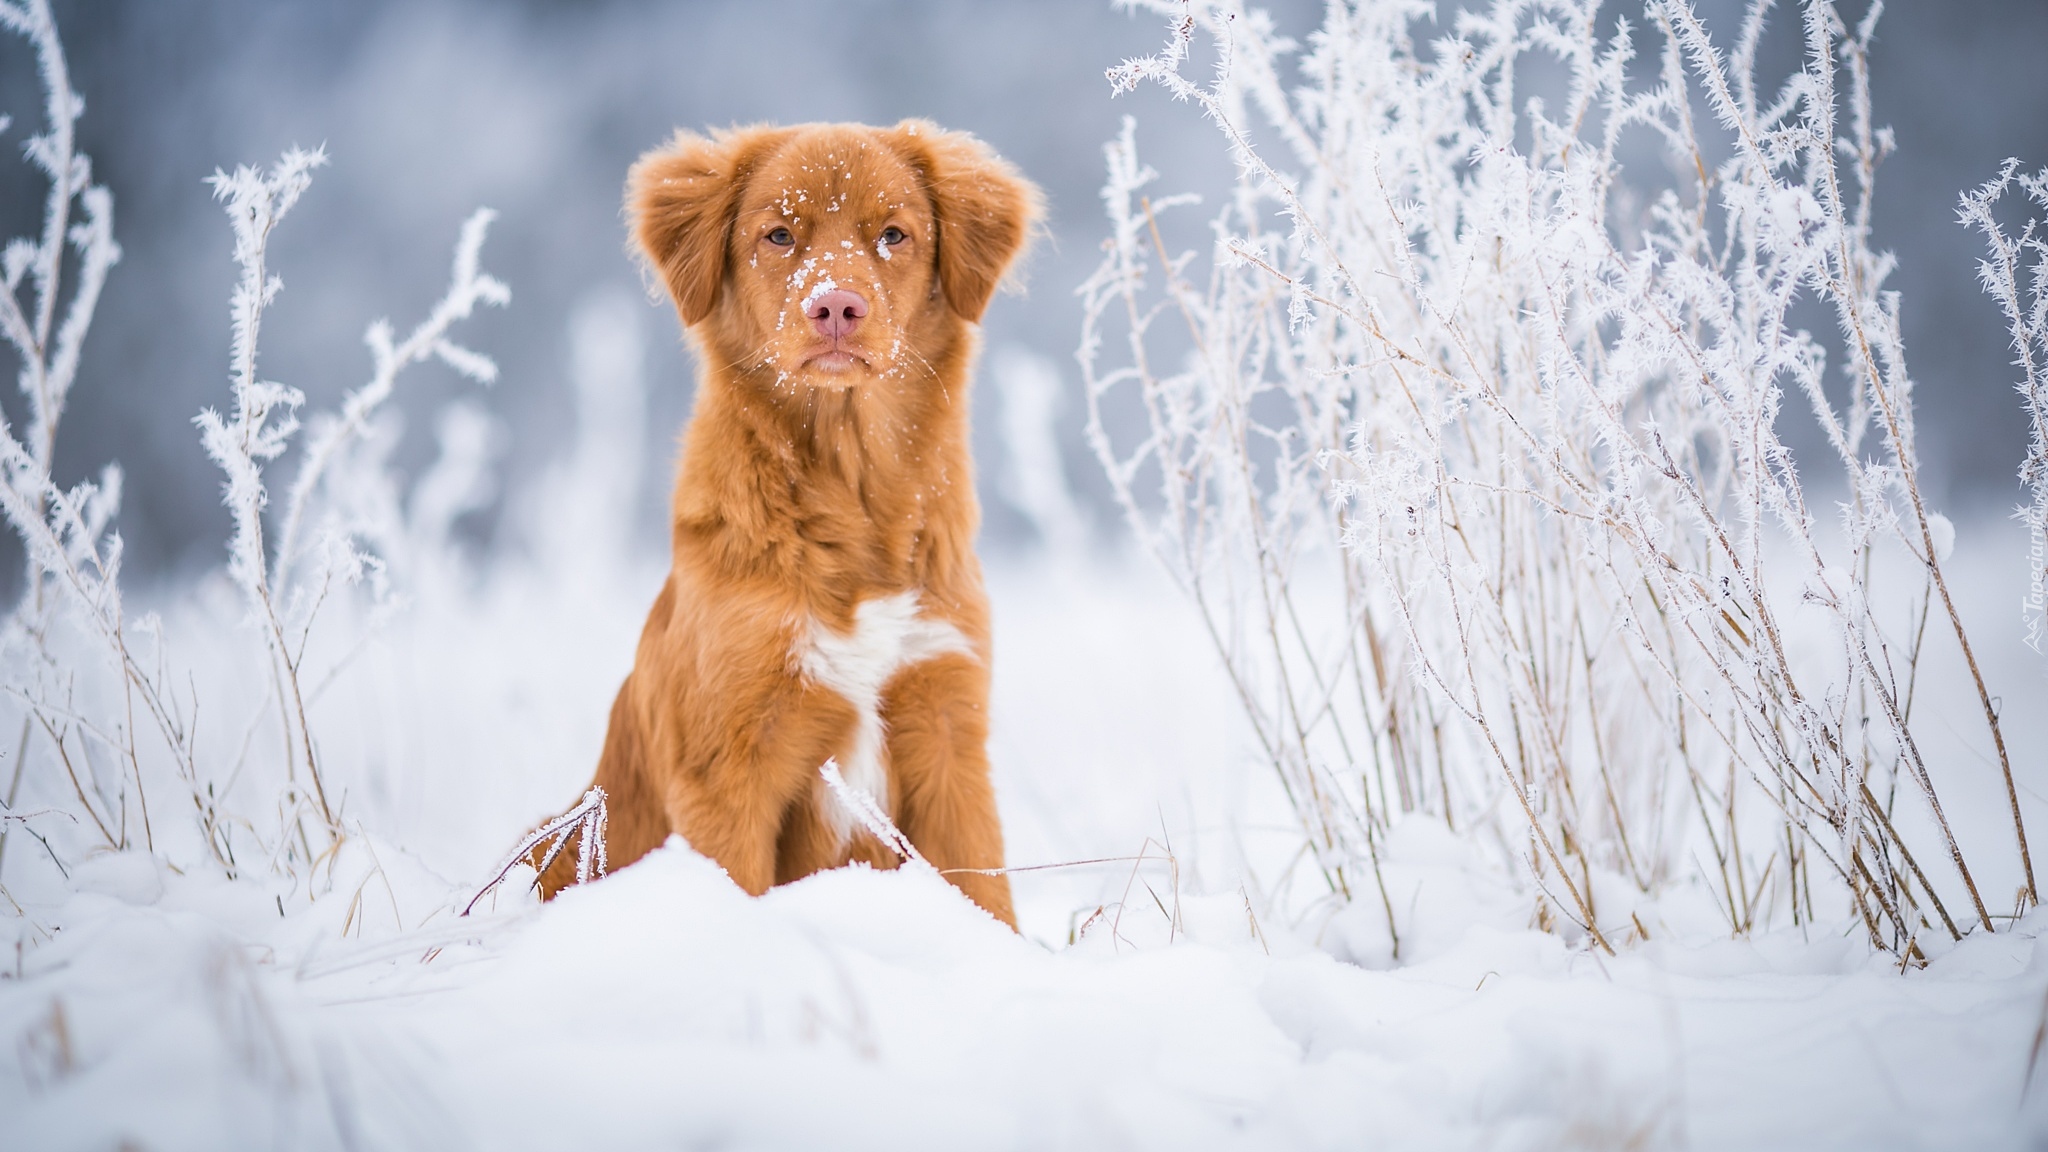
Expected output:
{"points": [[837, 313]]}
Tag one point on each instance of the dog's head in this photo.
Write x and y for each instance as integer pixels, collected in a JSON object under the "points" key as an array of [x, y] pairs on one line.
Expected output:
{"points": [[828, 255]]}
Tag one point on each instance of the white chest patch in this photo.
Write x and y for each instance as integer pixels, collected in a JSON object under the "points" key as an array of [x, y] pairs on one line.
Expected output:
{"points": [[888, 635]]}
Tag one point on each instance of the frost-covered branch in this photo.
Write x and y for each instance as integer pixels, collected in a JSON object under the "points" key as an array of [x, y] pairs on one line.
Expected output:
{"points": [[2015, 275], [265, 417], [283, 599], [331, 436]]}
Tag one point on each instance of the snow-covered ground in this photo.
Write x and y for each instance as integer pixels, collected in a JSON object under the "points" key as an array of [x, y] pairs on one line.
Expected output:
{"points": [[1178, 1001]]}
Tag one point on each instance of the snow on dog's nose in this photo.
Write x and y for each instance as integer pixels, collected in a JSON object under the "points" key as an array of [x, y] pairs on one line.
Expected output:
{"points": [[837, 313]]}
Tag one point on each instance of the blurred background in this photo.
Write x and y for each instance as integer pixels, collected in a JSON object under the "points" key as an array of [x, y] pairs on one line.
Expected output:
{"points": [[429, 108]]}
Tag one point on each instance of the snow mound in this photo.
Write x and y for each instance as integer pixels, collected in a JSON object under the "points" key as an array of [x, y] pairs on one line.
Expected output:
{"points": [[663, 1007]]}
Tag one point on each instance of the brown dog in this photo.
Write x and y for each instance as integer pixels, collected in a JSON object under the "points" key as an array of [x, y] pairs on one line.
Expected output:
{"points": [[825, 600]]}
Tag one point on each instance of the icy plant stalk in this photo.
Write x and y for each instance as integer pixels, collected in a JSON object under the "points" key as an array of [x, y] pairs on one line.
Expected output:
{"points": [[49, 365], [2016, 275], [861, 805], [265, 417], [1465, 444], [283, 599], [72, 559], [586, 822]]}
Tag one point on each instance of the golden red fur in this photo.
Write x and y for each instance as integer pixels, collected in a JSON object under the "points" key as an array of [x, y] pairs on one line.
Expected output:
{"points": [[825, 600]]}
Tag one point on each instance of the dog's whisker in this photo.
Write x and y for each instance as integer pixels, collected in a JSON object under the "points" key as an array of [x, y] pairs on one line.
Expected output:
{"points": [[759, 357], [1141, 857]]}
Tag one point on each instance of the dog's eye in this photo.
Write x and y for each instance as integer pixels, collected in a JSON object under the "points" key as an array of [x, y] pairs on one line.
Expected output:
{"points": [[781, 238], [892, 235]]}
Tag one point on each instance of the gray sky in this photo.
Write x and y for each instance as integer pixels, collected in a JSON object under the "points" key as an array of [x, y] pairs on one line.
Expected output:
{"points": [[429, 108]]}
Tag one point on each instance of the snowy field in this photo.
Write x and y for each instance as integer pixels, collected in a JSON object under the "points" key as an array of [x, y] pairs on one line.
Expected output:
{"points": [[1148, 1005], [249, 813]]}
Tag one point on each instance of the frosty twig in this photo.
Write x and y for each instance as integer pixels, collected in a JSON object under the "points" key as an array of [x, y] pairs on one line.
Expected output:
{"points": [[585, 821], [283, 600]]}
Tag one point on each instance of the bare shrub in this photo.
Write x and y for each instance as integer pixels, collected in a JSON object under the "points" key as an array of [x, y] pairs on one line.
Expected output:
{"points": [[90, 683], [1465, 443]]}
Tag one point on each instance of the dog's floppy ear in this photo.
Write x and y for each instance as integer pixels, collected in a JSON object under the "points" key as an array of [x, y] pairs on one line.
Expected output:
{"points": [[984, 210], [681, 199]]}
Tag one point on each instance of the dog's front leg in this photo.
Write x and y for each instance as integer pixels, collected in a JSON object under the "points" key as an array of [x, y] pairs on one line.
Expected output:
{"points": [[732, 806], [937, 716]]}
